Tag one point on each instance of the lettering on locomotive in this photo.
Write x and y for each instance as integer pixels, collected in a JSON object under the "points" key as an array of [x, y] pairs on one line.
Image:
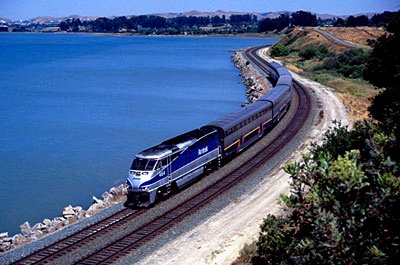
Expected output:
{"points": [[203, 150]]}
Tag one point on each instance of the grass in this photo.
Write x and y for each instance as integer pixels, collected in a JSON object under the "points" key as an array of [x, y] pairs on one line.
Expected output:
{"points": [[356, 87], [356, 94]]}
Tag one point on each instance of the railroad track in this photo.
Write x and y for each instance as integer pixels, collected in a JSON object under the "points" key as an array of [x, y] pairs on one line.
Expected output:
{"points": [[152, 228], [80, 238]]}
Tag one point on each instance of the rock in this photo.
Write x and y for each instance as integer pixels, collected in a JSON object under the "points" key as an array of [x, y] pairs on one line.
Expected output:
{"points": [[114, 191], [78, 209], [94, 208], [124, 189], [97, 201], [38, 226], [110, 199], [255, 83], [36, 234], [81, 214], [3, 235], [52, 229], [5, 246], [57, 221], [119, 190], [56, 224], [6, 239], [17, 239], [68, 216], [46, 222], [69, 210], [25, 229], [105, 195]]}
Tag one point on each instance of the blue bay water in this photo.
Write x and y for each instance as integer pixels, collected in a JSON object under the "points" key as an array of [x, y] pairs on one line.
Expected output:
{"points": [[74, 110]]}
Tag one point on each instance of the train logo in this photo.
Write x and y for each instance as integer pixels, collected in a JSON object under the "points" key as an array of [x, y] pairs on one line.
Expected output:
{"points": [[203, 151]]}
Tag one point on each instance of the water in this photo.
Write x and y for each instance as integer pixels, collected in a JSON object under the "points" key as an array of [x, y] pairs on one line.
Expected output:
{"points": [[74, 109]]}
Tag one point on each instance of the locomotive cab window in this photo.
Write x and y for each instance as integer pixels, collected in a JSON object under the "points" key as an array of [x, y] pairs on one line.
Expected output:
{"points": [[143, 164], [162, 163]]}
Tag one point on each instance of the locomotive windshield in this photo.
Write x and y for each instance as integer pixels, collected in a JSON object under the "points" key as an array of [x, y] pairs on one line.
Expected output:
{"points": [[143, 164]]}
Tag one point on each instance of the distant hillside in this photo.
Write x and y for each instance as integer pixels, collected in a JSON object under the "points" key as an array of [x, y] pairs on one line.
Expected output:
{"points": [[4, 20], [51, 20], [194, 13], [221, 13]]}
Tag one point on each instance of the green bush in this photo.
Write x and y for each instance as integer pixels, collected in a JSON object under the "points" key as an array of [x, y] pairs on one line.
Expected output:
{"points": [[308, 53], [311, 52], [350, 63], [343, 204], [279, 50], [322, 51]]}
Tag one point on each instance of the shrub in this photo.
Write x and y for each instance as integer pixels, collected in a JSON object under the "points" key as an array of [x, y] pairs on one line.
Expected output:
{"points": [[330, 63], [322, 51], [279, 50], [350, 63], [343, 204], [310, 52]]}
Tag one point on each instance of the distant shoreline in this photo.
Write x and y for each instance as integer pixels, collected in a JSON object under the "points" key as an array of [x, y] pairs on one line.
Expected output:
{"points": [[243, 35]]}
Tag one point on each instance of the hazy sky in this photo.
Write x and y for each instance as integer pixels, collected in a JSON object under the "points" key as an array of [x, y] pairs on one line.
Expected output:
{"points": [[25, 9]]}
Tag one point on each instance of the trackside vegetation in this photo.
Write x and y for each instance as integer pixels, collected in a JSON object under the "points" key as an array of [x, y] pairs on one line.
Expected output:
{"points": [[343, 204], [343, 207]]}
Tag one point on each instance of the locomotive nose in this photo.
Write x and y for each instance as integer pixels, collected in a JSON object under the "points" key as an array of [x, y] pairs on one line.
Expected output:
{"points": [[128, 182], [133, 181]]}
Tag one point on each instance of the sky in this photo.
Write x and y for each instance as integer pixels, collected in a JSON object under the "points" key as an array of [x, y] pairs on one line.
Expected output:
{"points": [[26, 9]]}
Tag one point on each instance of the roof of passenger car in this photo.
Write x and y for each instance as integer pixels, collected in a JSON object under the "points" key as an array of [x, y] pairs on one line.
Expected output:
{"points": [[174, 144], [228, 121]]}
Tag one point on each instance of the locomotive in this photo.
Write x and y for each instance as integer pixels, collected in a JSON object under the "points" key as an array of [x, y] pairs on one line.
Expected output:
{"points": [[169, 166]]}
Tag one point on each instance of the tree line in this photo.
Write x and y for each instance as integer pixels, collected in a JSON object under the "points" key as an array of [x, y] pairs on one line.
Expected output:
{"points": [[308, 19], [377, 20], [156, 24]]}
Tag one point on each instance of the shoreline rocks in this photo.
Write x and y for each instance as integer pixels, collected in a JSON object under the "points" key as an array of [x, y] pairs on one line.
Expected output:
{"points": [[69, 214], [256, 84]]}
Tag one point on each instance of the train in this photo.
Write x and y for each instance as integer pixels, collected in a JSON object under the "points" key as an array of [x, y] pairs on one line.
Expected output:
{"points": [[157, 172]]}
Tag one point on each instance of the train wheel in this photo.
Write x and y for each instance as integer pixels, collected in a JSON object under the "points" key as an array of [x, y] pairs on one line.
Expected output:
{"points": [[174, 188]]}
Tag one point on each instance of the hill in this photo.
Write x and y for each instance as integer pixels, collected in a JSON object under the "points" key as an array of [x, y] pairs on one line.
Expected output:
{"points": [[319, 57], [260, 15]]}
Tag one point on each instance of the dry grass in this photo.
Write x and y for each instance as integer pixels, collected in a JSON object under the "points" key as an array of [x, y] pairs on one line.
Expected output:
{"points": [[294, 68], [356, 94], [300, 38], [246, 254], [358, 36], [357, 107]]}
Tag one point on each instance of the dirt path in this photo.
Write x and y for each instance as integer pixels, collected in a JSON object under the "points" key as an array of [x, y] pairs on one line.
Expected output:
{"points": [[334, 38], [219, 239]]}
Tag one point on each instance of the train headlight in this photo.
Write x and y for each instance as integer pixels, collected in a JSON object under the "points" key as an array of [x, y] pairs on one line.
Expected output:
{"points": [[144, 188], [145, 173]]}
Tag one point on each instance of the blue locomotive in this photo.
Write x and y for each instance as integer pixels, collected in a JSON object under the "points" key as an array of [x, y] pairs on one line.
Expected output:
{"points": [[167, 167]]}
